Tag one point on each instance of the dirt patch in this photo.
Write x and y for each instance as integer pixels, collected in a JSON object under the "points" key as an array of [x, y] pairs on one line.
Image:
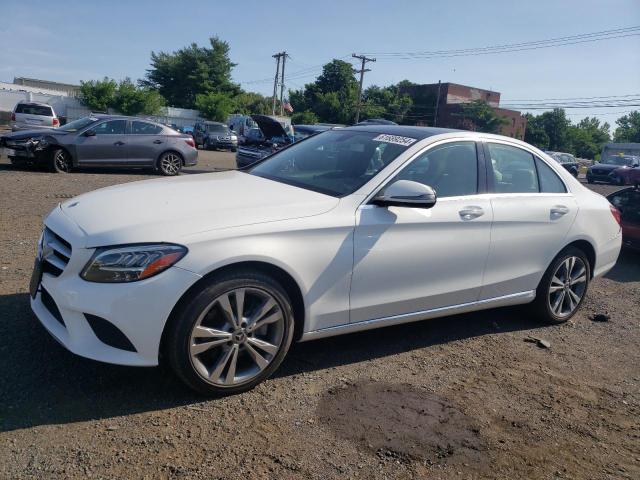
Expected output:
{"points": [[403, 423]]}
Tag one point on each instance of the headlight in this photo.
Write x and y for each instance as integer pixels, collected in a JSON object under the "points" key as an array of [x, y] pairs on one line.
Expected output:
{"points": [[131, 263]]}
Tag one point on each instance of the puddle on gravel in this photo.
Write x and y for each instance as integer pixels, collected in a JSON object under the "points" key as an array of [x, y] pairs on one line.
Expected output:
{"points": [[401, 423]]}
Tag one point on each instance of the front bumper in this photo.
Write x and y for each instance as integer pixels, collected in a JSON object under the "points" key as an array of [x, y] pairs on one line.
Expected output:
{"points": [[139, 310], [599, 177]]}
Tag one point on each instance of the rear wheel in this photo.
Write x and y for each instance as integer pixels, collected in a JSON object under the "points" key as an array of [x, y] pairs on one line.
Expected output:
{"points": [[563, 286], [60, 161], [231, 334], [170, 164]]}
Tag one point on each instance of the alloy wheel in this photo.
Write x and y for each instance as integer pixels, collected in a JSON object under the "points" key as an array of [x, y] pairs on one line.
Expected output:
{"points": [[237, 336], [170, 164], [61, 161], [568, 286]]}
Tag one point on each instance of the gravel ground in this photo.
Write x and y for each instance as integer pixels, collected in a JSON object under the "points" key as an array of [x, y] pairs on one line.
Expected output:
{"points": [[457, 397]]}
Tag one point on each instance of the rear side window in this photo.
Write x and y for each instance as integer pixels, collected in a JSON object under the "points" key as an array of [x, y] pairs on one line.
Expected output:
{"points": [[29, 109], [514, 169], [549, 180], [450, 169], [145, 128]]}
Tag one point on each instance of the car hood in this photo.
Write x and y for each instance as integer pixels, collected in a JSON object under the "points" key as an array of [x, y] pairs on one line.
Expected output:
{"points": [[604, 166], [171, 210], [40, 132], [270, 127]]}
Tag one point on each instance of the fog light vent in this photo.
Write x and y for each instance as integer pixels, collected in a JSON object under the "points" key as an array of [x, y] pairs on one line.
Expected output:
{"points": [[108, 333]]}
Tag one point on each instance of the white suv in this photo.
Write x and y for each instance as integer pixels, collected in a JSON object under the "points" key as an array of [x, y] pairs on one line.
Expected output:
{"points": [[32, 115]]}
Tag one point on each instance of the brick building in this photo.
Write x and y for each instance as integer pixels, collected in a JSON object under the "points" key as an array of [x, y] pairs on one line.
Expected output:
{"points": [[453, 95]]}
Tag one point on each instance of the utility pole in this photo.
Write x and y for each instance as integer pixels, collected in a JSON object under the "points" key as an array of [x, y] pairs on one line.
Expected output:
{"points": [[284, 58], [361, 72], [275, 82], [435, 118]]}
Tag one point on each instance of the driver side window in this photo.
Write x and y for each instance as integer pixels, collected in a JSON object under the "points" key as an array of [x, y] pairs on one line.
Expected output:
{"points": [[113, 127], [450, 169]]}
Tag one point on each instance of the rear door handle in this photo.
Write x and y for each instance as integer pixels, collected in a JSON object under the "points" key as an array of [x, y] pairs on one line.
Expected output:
{"points": [[471, 212], [118, 144], [558, 211], [157, 141]]}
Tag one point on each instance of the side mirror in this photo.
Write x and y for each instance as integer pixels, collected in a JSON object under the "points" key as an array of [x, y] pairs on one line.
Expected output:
{"points": [[90, 133], [406, 193]]}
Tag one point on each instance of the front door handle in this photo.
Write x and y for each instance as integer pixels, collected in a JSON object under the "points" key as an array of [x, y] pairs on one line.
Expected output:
{"points": [[157, 141], [118, 144], [558, 211], [471, 212]]}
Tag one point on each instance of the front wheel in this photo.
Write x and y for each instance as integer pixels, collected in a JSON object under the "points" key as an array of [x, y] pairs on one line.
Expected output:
{"points": [[60, 161], [563, 286], [231, 334], [170, 164], [589, 180]]}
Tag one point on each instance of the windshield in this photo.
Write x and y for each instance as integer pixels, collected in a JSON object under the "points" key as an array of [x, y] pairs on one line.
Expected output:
{"points": [[335, 162], [618, 160], [78, 124], [218, 129]]}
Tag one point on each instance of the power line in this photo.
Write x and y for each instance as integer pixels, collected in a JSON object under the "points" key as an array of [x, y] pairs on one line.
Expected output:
{"points": [[514, 47], [570, 98]]}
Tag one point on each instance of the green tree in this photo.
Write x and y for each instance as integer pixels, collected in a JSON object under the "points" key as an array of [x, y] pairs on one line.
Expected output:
{"points": [[215, 106], [304, 118], [386, 102], [249, 103], [628, 130], [332, 97], [535, 134], [480, 117], [98, 95], [587, 137], [131, 99], [556, 125], [182, 75]]}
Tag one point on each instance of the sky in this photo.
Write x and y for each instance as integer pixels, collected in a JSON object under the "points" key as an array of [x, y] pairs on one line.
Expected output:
{"points": [[84, 40]]}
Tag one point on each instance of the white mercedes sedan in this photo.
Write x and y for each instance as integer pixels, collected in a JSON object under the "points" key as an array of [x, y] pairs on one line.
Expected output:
{"points": [[351, 229]]}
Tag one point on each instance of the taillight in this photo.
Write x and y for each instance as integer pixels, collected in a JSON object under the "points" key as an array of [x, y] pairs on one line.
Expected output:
{"points": [[190, 142], [13, 117], [616, 214], [55, 122]]}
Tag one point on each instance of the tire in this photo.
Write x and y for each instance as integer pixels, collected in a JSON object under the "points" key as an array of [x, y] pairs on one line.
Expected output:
{"points": [[621, 181], [230, 364], [60, 161], [589, 180], [559, 297], [170, 164], [234, 149], [206, 145]]}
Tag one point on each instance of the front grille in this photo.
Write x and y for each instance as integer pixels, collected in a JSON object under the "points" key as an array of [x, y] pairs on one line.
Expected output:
{"points": [[56, 252]]}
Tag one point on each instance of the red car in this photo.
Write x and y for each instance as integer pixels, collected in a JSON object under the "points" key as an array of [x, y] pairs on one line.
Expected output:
{"points": [[627, 201], [627, 175]]}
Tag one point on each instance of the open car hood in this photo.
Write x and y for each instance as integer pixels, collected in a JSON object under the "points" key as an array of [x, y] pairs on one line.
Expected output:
{"points": [[269, 126]]}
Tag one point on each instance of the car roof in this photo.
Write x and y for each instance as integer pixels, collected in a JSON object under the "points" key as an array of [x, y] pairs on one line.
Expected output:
{"points": [[402, 130], [27, 102], [106, 116]]}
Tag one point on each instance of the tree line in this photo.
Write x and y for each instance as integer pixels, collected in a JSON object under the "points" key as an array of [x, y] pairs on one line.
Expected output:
{"points": [[200, 77]]}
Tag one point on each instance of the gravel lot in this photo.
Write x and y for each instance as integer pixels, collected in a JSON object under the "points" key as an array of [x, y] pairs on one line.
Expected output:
{"points": [[457, 397]]}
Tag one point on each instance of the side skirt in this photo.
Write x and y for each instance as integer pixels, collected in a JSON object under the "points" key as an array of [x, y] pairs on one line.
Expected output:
{"points": [[504, 301]]}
